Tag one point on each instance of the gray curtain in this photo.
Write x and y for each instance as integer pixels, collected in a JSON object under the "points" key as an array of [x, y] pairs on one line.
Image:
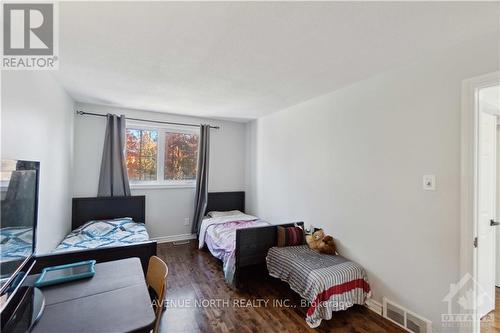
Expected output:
{"points": [[113, 179], [201, 196]]}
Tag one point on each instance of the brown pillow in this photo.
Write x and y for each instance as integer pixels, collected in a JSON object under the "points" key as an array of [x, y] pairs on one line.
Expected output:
{"points": [[290, 236]]}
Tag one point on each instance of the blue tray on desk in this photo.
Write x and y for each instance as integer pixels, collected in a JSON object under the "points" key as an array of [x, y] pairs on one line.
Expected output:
{"points": [[66, 273]]}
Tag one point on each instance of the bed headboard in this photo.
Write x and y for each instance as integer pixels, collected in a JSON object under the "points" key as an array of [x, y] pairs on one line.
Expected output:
{"points": [[224, 201], [252, 244], [101, 208]]}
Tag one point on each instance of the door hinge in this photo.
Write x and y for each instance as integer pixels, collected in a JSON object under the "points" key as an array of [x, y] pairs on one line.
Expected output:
{"points": [[475, 242]]}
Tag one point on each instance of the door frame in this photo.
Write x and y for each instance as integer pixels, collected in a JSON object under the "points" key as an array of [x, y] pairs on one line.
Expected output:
{"points": [[469, 174]]}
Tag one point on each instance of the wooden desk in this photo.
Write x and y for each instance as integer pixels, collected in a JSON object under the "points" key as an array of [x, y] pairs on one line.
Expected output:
{"points": [[116, 299]]}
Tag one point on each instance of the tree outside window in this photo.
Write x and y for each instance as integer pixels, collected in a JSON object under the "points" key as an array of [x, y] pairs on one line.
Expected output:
{"points": [[160, 156], [142, 151], [181, 156]]}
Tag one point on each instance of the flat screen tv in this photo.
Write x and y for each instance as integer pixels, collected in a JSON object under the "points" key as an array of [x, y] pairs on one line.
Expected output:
{"points": [[18, 207]]}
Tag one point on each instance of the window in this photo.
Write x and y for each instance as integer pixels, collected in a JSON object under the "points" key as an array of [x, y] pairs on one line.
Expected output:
{"points": [[181, 156], [142, 152], [161, 156]]}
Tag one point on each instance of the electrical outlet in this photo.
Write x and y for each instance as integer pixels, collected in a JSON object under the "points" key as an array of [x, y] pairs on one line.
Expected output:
{"points": [[186, 221], [429, 182]]}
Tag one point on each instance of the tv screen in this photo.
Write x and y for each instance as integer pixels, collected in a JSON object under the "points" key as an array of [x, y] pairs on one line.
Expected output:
{"points": [[18, 208]]}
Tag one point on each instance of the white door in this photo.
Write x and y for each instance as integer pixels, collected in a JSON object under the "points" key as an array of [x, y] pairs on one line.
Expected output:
{"points": [[497, 258], [486, 209]]}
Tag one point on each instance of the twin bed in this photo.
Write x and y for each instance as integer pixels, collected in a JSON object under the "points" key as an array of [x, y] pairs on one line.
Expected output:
{"points": [[104, 229], [328, 283]]}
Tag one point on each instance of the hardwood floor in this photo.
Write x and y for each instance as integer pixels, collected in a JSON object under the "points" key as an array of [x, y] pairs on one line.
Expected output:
{"points": [[491, 324], [196, 279]]}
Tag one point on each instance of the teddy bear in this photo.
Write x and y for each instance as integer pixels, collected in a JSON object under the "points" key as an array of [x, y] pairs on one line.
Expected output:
{"points": [[318, 241]]}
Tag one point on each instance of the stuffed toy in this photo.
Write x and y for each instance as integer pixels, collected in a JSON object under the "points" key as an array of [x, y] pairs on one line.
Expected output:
{"points": [[321, 243]]}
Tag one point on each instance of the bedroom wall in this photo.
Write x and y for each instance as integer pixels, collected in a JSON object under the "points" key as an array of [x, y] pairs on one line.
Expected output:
{"points": [[37, 124], [166, 208], [352, 162]]}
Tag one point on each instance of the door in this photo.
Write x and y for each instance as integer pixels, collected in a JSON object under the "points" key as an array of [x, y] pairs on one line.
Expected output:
{"points": [[486, 208], [497, 258]]}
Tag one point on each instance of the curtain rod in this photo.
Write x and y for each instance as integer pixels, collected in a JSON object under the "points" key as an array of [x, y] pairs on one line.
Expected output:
{"points": [[82, 113]]}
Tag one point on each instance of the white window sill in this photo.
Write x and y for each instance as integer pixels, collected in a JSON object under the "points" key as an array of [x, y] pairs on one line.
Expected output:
{"points": [[160, 186]]}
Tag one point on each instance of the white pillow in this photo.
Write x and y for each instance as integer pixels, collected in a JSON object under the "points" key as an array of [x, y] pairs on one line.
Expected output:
{"points": [[221, 214]]}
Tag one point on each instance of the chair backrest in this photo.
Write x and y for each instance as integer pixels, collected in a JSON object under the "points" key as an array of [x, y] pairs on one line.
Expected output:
{"points": [[156, 278]]}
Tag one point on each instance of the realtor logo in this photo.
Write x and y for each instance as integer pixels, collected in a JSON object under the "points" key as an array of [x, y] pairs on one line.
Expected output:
{"points": [[29, 31]]}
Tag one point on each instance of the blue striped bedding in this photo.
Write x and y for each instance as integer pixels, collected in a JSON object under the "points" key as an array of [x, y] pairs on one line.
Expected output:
{"points": [[104, 233]]}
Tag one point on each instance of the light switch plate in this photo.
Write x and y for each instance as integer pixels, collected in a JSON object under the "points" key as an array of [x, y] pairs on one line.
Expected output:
{"points": [[429, 182]]}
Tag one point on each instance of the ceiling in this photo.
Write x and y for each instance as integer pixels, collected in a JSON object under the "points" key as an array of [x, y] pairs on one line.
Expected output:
{"points": [[243, 60]]}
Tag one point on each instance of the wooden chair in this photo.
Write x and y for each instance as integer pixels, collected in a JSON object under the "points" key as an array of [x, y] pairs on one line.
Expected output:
{"points": [[156, 279]]}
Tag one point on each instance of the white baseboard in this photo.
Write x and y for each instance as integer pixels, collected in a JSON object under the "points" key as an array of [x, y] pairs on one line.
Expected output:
{"points": [[174, 238], [374, 306]]}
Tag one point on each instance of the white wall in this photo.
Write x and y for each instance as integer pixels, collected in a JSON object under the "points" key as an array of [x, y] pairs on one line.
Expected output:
{"points": [[37, 124], [166, 208], [352, 162]]}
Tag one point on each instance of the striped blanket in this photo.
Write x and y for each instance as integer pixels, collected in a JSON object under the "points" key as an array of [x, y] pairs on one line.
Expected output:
{"points": [[329, 283]]}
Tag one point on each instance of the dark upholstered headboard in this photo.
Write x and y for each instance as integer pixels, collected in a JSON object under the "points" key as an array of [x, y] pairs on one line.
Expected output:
{"points": [[224, 201], [101, 208]]}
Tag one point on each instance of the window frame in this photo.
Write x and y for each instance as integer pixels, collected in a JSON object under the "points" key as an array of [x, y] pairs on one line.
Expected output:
{"points": [[160, 181]]}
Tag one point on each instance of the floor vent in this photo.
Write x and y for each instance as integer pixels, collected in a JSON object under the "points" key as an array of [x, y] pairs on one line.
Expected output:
{"points": [[405, 318], [181, 242]]}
